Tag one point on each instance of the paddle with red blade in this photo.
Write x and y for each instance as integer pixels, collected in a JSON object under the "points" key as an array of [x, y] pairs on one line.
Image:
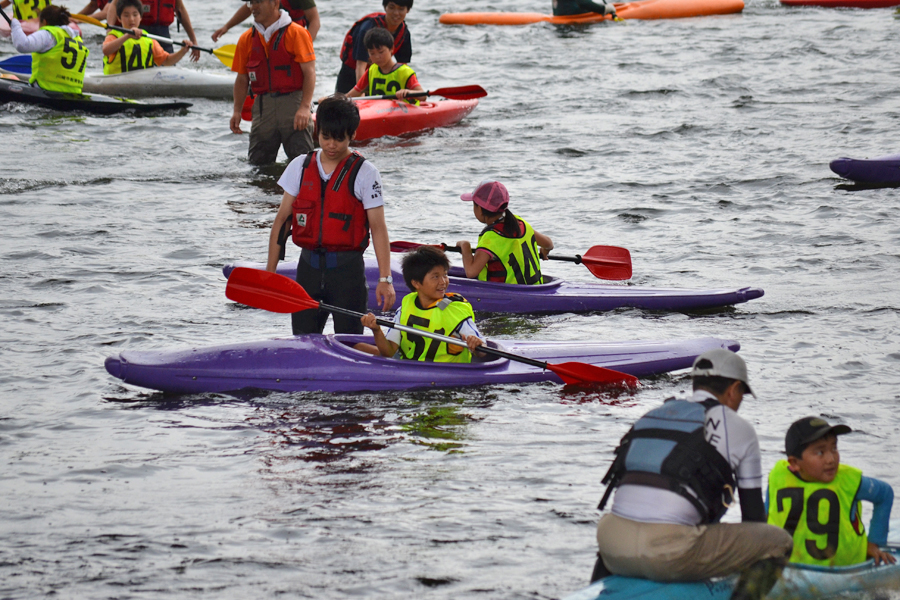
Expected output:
{"points": [[465, 92], [277, 293], [605, 262]]}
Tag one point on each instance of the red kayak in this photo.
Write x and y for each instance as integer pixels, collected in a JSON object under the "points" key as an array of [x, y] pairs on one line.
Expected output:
{"points": [[393, 117]]}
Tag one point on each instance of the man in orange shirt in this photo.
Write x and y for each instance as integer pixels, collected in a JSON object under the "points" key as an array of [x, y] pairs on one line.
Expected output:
{"points": [[275, 59]]}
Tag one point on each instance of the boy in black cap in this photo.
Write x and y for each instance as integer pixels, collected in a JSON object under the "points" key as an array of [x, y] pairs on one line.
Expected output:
{"points": [[817, 500]]}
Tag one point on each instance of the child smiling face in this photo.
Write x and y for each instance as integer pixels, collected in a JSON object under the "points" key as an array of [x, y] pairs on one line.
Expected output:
{"points": [[819, 461]]}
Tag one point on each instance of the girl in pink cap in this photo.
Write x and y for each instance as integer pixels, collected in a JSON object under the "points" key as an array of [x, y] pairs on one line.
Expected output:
{"points": [[509, 249]]}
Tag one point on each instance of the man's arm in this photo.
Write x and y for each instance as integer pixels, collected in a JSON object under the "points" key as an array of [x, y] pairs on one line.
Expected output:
{"points": [[313, 21], [182, 13], [239, 16], [284, 213], [241, 85], [304, 113], [384, 293]]}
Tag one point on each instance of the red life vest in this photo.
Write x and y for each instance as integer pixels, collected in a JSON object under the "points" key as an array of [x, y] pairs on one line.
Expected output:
{"points": [[379, 18], [327, 214], [101, 4], [298, 15], [158, 12], [276, 71]]}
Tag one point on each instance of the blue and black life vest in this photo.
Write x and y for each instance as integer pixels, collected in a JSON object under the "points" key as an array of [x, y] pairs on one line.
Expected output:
{"points": [[666, 449]]}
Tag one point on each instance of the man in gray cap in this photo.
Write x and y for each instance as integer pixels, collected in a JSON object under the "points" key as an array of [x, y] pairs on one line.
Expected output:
{"points": [[675, 474]]}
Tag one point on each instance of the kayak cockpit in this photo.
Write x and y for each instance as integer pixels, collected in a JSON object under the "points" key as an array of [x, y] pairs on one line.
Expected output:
{"points": [[344, 344], [550, 283]]}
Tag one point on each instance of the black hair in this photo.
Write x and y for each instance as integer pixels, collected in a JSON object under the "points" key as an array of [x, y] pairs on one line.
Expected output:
{"points": [[406, 3], [510, 223], [378, 37], [55, 16], [122, 4], [337, 117], [715, 384], [419, 262]]}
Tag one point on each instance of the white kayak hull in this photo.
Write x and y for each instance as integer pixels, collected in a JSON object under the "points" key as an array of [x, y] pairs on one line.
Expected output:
{"points": [[162, 81]]}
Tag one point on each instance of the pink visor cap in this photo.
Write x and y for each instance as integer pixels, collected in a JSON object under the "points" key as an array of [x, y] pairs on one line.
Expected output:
{"points": [[492, 196]]}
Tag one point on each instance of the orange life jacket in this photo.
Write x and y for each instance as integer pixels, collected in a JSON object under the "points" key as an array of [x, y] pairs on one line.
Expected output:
{"points": [[327, 214]]}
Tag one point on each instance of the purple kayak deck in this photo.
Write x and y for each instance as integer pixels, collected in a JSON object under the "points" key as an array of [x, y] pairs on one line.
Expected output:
{"points": [[557, 296], [328, 363], [884, 169]]}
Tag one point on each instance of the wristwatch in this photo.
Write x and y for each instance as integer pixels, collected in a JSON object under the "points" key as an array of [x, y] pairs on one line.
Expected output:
{"points": [[387, 279]]}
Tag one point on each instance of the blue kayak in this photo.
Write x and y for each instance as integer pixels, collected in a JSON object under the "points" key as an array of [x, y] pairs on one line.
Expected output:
{"points": [[799, 582]]}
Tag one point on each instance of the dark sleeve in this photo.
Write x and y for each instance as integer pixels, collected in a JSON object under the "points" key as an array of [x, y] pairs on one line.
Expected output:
{"points": [[359, 46], [752, 507], [302, 4], [404, 53]]}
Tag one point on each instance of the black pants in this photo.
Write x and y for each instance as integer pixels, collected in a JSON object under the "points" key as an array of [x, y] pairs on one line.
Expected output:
{"points": [[162, 31], [346, 80], [336, 278]]}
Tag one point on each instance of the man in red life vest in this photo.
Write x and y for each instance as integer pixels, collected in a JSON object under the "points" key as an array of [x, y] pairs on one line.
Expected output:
{"points": [[355, 56], [158, 15], [275, 59]]}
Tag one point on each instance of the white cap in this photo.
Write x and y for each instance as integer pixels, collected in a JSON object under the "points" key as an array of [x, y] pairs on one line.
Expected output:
{"points": [[722, 363]]}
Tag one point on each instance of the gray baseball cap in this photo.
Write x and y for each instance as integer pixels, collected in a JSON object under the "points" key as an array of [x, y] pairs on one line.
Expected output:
{"points": [[722, 363]]}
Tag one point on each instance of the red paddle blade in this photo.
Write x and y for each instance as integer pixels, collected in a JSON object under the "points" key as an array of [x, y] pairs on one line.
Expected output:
{"points": [[608, 262], [577, 373], [463, 92], [247, 110], [401, 246], [268, 291]]}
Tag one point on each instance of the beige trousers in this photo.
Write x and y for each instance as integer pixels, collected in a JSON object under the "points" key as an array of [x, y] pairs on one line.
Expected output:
{"points": [[669, 552], [273, 127]]}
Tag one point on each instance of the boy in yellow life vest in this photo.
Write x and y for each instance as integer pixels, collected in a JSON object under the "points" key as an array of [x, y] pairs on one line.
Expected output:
{"points": [[58, 55], [509, 249], [817, 500], [123, 52], [431, 308], [385, 75]]}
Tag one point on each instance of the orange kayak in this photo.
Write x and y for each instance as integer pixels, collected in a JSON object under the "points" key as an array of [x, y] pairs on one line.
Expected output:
{"points": [[642, 9], [393, 117]]}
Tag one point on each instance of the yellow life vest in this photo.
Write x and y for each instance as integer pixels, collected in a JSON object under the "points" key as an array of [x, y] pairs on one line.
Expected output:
{"points": [[817, 515], [61, 68], [29, 9], [135, 54], [381, 84], [444, 318], [519, 260]]}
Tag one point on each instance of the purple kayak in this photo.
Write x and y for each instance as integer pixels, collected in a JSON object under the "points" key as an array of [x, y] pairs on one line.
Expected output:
{"points": [[556, 296], [329, 363], [884, 169]]}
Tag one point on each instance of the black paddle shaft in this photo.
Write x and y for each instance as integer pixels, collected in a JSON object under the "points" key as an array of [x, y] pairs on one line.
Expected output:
{"points": [[6, 16], [436, 336]]}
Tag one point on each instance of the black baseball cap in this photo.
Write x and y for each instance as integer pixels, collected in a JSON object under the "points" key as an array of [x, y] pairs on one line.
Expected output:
{"points": [[806, 431]]}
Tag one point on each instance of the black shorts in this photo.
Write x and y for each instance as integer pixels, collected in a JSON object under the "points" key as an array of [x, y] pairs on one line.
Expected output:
{"points": [[336, 278]]}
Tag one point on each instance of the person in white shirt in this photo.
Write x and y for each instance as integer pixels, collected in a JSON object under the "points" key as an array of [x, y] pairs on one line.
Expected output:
{"points": [[675, 474]]}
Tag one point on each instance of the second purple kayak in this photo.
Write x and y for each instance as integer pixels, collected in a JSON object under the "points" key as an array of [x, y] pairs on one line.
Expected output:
{"points": [[556, 296]]}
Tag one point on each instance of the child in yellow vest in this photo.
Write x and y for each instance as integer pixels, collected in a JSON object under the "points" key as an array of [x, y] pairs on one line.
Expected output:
{"points": [[58, 54], [509, 249], [385, 75], [123, 52], [431, 308], [818, 500]]}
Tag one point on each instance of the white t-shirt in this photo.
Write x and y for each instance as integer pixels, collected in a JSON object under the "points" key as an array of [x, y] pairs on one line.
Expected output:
{"points": [[732, 436], [367, 188]]}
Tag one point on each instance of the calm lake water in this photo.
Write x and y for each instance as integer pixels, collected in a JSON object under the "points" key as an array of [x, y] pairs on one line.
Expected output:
{"points": [[702, 145]]}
